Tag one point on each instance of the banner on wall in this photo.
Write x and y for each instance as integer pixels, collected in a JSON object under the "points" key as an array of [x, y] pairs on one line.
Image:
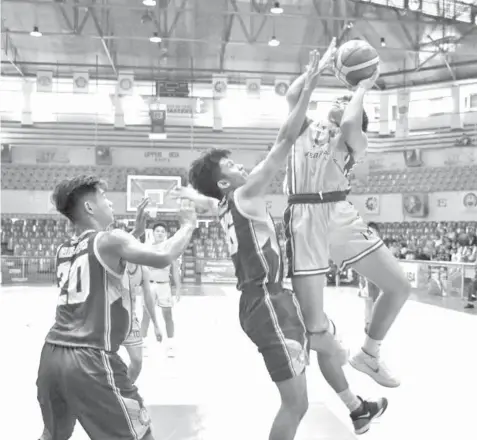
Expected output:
{"points": [[412, 158], [52, 155], [411, 270], [218, 272], [6, 153], [470, 200], [415, 205], [371, 205]]}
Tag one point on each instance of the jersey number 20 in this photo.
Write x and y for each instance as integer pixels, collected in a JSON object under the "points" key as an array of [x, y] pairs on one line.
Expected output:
{"points": [[74, 278]]}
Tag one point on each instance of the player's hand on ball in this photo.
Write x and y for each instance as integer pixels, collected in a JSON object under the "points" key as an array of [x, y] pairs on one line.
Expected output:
{"points": [[327, 60], [368, 83]]}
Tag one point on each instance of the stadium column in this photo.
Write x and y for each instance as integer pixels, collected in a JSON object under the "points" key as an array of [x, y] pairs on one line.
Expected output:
{"points": [[402, 122], [384, 126], [27, 89], [456, 120], [118, 112], [217, 114]]}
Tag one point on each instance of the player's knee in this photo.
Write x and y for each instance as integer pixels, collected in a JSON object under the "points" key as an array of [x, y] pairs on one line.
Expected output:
{"points": [[136, 362], [295, 405]]}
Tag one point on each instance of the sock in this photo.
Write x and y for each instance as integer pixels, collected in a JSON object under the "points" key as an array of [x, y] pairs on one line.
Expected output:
{"points": [[351, 401], [372, 347]]}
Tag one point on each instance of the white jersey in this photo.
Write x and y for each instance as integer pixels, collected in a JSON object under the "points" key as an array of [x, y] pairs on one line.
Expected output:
{"points": [[314, 165], [135, 280], [160, 275]]}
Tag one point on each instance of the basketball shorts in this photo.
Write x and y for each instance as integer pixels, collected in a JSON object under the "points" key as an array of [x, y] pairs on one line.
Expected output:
{"points": [[316, 233], [134, 339], [91, 386], [162, 292], [273, 322]]}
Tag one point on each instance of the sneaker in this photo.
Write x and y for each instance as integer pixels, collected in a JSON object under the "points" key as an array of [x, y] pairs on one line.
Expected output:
{"points": [[366, 413], [374, 368]]}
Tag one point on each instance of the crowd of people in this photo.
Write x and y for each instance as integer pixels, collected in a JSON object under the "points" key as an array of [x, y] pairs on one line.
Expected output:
{"points": [[458, 247]]}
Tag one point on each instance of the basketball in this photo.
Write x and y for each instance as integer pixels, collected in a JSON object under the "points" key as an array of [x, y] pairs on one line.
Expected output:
{"points": [[354, 61]]}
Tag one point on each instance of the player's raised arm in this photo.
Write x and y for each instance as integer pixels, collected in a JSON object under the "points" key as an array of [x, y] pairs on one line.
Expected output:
{"points": [[263, 173], [351, 133], [294, 91], [201, 202], [127, 248]]}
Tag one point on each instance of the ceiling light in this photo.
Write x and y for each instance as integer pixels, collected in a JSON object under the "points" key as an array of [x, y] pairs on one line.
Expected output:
{"points": [[276, 8], [383, 42], [274, 42], [155, 38], [36, 32], [149, 2], [414, 5]]}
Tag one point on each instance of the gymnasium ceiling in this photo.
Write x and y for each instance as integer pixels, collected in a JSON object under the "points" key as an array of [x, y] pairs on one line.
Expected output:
{"points": [[202, 37]]}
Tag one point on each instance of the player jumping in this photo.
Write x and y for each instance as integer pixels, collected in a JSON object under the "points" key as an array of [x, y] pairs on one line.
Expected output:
{"points": [[269, 314], [320, 222], [81, 376], [160, 283]]}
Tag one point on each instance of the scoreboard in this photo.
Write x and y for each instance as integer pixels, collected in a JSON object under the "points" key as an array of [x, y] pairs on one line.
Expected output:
{"points": [[172, 89]]}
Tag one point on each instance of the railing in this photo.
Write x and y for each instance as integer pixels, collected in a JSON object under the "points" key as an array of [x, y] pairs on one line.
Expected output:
{"points": [[432, 277]]}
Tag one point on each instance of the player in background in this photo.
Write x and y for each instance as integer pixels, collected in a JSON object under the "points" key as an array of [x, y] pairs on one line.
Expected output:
{"points": [[269, 314], [369, 289], [81, 376], [320, 222], [160, 283], [139, 279]]}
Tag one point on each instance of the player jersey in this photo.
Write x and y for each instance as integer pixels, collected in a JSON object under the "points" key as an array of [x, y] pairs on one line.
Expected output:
{"points": [[253, 245], [95, 306], [160, 275], [314, 165], [135, 281]]}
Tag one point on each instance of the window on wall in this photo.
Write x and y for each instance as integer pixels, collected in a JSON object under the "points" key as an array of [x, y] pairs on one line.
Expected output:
{"points": [[473, 101]]}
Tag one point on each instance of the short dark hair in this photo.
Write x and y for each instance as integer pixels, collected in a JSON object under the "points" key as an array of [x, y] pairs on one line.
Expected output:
{"points": [[374, 226], [159, 224], [204, 172], [69, 192]]}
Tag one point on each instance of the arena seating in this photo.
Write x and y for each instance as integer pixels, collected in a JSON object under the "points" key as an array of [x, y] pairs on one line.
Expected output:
{"points": [[30, 177], [40, 237], [420, 179]]}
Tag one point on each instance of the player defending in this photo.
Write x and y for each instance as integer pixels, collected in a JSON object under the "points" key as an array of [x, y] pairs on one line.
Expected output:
{"points": [[269, 314], [161, 288], [320, 222], [81, 376], [139, 278]]}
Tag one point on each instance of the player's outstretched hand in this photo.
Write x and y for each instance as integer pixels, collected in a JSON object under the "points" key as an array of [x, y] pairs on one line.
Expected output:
{"points": [[187, 213], [327, 60], [184, 192], [368, 83], [141, 218], [312, 70]]}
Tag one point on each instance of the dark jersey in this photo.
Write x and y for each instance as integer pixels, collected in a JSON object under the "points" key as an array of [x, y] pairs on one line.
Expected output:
{"points": [[95, 305], [253, 245]]}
